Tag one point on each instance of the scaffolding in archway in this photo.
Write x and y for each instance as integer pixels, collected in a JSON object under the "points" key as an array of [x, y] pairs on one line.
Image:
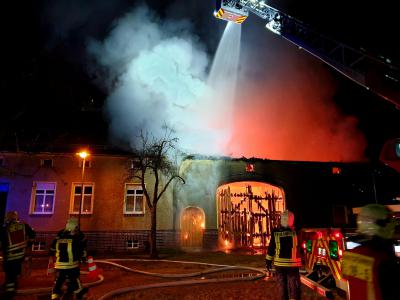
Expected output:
{"points": [[246, 215]]}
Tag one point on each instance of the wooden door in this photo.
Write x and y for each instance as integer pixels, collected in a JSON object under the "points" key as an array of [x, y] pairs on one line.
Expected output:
{"points": [[192, 227]]}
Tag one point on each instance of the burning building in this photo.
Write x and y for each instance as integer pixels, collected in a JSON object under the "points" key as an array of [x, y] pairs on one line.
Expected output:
{"points": [[225, 203]]}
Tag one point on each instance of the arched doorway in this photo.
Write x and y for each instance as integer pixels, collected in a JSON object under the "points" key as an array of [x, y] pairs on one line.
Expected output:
{"points": [[192, 227], [247, 212]]}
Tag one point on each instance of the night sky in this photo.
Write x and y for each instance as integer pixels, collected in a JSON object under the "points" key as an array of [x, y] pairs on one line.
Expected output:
{"points": [[53, 89]]}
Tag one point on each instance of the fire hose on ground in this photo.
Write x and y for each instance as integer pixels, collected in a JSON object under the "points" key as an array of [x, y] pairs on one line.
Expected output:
{"points": [[48, 289], [260, 273], [221, 268]]}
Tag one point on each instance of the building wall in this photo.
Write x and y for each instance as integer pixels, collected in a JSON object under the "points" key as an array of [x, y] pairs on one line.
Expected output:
{"points": [[107, 172], [306, 185]]}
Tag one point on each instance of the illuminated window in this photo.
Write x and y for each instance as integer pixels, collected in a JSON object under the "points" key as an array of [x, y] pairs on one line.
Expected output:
{"points": [[134, 199], [43, 195], [85, 202], [132, 244], [39, 246]]}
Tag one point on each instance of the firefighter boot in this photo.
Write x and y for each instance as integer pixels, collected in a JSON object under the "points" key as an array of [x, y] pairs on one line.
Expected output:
{"points": [[81, 294]]}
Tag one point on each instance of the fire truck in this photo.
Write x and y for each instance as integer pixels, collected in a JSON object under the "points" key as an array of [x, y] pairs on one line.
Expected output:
{"points": [[322, 251], [322, 248]]}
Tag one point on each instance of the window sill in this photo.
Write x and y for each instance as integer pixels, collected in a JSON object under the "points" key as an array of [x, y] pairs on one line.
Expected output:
{"points": [[138, 214]]}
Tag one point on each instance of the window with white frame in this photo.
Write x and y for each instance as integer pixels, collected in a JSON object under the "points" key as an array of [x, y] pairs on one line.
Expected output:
{"points": [[43, 195], [134, 199], [132, 244], [85, 201]]}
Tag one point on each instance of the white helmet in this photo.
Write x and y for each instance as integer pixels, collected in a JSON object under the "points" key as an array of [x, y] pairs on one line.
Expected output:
{"points": [[375, 220], [72, 224], [287, 218]]}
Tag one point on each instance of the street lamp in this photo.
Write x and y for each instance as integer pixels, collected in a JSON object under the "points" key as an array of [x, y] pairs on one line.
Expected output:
{"points": [[83, 155]]}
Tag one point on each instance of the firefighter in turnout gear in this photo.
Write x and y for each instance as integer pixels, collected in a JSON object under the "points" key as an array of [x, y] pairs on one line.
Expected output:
{"points": [[372, 268], [283, 253], [69, 248], [15, 237]]}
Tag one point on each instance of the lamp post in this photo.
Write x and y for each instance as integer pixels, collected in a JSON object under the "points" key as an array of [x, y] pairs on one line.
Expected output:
{"points": [[83, 155]]}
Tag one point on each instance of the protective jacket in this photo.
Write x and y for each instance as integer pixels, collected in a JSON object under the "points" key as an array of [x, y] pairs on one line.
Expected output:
{"points": [[283, 248], [370, 270], [15, 237], [69, 249]]}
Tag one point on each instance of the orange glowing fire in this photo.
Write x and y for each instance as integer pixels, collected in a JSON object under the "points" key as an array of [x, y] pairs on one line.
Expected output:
{"points": [[337, 137]]}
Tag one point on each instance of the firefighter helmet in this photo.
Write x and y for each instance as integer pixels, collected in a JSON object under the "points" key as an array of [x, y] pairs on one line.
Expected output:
{"points": [[11, 216], [287, 219], [72, 224], [375, 220]]}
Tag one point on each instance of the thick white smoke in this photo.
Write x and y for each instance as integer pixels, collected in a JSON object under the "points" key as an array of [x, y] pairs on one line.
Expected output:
{"points": [[156, 75]]}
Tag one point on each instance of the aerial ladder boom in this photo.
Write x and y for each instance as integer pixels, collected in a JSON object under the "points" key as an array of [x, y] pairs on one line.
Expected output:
{"points": [[376, 73]]}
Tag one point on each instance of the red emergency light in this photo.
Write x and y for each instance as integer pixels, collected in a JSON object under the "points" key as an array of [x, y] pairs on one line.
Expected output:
{"points": [[304, 245], [338, 235]]}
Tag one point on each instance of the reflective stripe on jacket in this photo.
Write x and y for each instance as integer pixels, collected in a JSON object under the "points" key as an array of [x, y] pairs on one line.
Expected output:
{"points": [[283, 248], [69, 249], [372, 270], [14, 239]]}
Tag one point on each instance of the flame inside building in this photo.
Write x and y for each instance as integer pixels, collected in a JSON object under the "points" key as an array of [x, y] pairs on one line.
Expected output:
{"points": [[247, 212]]}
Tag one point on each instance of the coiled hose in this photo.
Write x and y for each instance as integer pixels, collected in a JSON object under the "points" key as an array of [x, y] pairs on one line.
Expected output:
{"points": [[221, 268]]}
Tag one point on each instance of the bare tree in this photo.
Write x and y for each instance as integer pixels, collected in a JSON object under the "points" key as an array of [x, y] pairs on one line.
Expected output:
{"points": [[152, 157]]}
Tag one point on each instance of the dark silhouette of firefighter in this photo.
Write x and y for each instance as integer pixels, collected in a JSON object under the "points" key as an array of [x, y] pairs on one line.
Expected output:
{"points": [[15, 237], [372, 268], [283, 253], [69, 248]]}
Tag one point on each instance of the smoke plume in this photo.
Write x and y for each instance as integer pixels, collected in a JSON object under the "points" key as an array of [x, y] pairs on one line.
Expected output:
{"points": [[157, 74], [157, 71]]}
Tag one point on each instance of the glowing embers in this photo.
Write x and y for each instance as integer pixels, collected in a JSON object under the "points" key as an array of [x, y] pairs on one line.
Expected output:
{"points": [[247, 212], [229, 13]]}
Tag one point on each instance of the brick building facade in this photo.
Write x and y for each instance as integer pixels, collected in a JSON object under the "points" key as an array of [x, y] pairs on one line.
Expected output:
{"points": [[46, 189]]}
